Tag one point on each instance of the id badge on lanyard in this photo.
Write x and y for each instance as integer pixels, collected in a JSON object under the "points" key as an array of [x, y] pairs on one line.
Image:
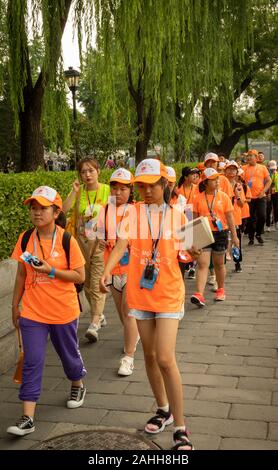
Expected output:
{"points": [[150, 273], [216, 222]]}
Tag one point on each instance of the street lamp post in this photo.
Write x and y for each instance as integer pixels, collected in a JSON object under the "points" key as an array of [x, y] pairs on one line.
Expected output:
{"points": [[72, 78]]}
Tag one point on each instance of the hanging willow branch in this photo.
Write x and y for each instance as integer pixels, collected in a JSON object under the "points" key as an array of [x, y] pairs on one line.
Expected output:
{"points": [[185, 47]]}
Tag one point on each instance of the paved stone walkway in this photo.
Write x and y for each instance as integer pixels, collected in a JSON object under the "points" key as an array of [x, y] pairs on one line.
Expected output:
{"points": [[227, 355]]}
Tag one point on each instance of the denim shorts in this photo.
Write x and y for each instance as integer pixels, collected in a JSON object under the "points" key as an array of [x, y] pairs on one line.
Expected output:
{"points": [[147, 315]]}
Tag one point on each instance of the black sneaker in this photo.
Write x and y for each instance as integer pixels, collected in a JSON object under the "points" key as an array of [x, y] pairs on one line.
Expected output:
{"points": [[77, 395], [259, 239], [238, 268], [191, 273], [24, 426], [251, 242]]}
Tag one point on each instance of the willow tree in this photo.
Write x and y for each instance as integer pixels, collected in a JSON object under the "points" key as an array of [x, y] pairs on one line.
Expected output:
{"points": [[47, 20], [174, 51], [254, 90]]}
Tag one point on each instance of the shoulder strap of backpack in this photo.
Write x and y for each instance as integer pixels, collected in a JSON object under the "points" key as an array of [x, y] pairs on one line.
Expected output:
{"points": [[105, 228], [66, 245], [25, 238]]}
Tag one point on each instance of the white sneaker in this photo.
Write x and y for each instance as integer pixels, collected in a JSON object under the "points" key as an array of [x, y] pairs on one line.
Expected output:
{"points": [[92, 333], [267, 229], [25, 425], [77, 395], [211, 279], [126, 366], [102, 321]]}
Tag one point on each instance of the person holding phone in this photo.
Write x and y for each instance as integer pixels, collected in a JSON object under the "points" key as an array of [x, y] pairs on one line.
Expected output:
{"points": [[87, 198], [217, 206], [50, 305]]}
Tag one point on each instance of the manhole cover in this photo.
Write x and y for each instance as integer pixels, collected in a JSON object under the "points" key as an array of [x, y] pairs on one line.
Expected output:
{"points": [[97, 440]]}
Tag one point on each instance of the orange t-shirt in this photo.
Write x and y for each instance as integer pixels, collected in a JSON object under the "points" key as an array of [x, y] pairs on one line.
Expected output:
{"points": [[255, 177], [168, 292], [189, 193], [49, 300], [222, 204], [225, 186], [245, 211], [115, 218], [238, 209]]}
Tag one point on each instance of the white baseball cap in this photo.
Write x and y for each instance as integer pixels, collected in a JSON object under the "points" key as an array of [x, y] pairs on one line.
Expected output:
{"points": [[272, 165], [232, 163], [121, 175], [211, 156], [46, 197], [210, 174], [171, 174], [150, 171]]}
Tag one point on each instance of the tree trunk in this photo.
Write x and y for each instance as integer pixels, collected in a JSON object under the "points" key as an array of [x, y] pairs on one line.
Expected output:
{"points": [[144, 128], [32, 151], [228, 142]]}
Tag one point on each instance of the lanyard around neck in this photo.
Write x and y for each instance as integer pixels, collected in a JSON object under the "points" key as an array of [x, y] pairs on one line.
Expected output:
{"points": [[54, 236], [120, 223], [188, 198], [89, 202], [155, 241], [210, 208]]}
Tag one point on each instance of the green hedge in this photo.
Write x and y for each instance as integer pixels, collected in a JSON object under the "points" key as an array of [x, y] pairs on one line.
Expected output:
{"points": [[16, 187]]}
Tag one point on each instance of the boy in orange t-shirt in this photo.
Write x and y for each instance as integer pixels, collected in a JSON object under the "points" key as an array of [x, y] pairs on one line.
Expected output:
{"points": [[45, 284]]}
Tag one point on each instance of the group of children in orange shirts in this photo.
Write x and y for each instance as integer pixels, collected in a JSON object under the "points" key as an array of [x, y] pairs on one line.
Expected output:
{"points": [[143, 248]]}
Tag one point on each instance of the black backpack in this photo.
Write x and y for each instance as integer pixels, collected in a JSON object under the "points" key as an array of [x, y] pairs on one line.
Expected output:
{"points": [[66, 245]]}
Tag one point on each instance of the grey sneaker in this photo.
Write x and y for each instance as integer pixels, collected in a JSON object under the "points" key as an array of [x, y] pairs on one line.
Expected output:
{"points": [[77, 395], [24, 426], [92, 333]]}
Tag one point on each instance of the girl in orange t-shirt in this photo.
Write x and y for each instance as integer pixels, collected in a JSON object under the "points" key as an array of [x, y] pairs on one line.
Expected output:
{"points": [[155, 294], [121, 189], [217, 206], [45, 284]]}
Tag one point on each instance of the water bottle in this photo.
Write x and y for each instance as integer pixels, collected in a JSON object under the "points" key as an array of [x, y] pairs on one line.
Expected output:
{"points": [[235, 253]]}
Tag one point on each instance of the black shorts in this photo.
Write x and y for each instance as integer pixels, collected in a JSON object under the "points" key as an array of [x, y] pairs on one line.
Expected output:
{"points": [[220, 244]]}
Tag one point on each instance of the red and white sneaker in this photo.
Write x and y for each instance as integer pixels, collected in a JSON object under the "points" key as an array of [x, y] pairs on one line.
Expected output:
{"points": [[198, 299], [220, 294]]}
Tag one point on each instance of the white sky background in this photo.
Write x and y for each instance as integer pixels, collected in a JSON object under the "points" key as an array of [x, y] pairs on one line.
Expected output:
{"points": [[70, 47], [70, 51]]}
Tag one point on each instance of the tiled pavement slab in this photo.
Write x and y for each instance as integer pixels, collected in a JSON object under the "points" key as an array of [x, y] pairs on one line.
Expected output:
{"points": [[227, 353]]}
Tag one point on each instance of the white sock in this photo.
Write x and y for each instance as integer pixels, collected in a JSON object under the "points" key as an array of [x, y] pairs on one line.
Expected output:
{"points": [[164, 408], [129, 359]]}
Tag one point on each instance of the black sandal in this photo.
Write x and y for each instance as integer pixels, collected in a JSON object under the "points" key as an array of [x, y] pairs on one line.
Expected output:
{"points": [[181, 439], [160, 419]]}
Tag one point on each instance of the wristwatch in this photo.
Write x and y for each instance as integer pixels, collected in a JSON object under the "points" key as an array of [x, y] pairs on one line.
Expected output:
{"points": [[52, 273]]}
